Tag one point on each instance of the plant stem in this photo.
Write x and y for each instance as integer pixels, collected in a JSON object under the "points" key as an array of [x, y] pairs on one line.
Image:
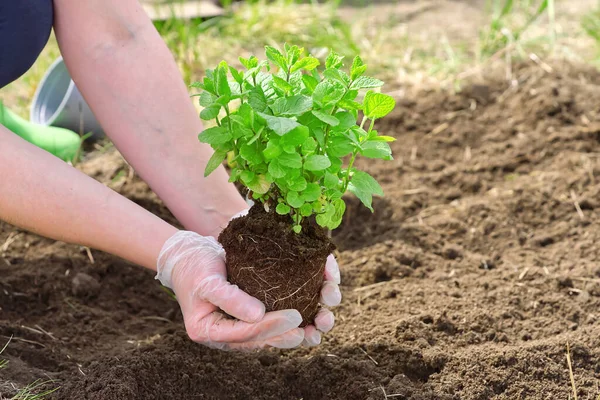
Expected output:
{"points": [[362, 124], [372, 125], [347, 178]]}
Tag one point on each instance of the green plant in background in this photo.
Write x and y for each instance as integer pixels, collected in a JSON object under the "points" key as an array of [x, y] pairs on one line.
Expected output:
{"points": [[591, 25], [504, 31], [29, 391], [292, 128], [195, 42]]}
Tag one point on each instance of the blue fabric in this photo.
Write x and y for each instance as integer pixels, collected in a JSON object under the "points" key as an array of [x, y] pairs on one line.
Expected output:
{"points": [[25, 27]]}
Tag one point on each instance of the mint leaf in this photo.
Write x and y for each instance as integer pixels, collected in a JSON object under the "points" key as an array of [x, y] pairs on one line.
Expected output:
{"points": [[331, 181], [309, 146], [234, 175], [340, 208], [211, 112], [328, 92], [259, 184], [364, 186], [223, 100], [239, 78], [324, 219], [249, 63], [317, 163], [366, 82], [292, 106], [307, 63], [383, 139], [306, 210], [280, 125], [272, 150], [293, 53], [276, 170], [251, 153], [276, 57], [294, 199], [334, 60], [328, 119], [208, 83], [247, 176], [358, 68], [311, 193], [349, 105], [291, 149], [282, 84], [310, 83], [257, 100], [238, 129], [378, 105], [297, 183], [215, 136], [206, 99], [222, 83], [247, 114], [282, 209], [295, 137], [215, 160], [376, 149], [340, 146], [346, 121], [337, 75], [336, 165], [290, 160]]}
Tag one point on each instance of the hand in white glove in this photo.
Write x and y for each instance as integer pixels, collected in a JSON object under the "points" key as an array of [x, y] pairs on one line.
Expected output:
{"points": [[193, 266], [330, 296]]}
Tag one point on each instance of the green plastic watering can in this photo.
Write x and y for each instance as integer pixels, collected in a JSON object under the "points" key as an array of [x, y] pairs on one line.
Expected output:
{"points": [[61, 142]]}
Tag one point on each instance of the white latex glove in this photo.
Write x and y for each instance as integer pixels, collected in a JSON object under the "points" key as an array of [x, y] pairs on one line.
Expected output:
{"points": [[330, 296], [193, 266]]}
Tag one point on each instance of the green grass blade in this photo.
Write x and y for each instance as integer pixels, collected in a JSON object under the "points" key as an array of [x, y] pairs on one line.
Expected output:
{"points": [[508, 6], [28, 392]]}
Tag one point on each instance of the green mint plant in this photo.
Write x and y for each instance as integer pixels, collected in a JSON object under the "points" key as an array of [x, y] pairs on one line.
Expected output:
{"points": [[291, 129]]}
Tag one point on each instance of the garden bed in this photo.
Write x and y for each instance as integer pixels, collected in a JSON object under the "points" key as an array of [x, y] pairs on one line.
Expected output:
{"points": [[468, 281]]}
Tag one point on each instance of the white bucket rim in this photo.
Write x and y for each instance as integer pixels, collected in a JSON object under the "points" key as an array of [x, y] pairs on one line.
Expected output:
{"points": [[39, 99]]}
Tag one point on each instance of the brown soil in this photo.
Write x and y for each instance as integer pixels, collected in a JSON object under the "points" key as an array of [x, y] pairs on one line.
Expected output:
{"points": [[468, 281], [267, 260]]}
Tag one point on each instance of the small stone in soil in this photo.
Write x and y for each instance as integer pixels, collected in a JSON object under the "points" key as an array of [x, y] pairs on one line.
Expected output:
{"points": [[85, 286], [452, 252], [487, 265]]}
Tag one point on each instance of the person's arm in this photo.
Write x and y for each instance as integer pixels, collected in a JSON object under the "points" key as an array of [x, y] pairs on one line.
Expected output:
{"points": [[132, 83], [42, 194]]}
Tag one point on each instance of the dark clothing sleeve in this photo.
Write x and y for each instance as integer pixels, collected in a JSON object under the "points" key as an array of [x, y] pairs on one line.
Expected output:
{"points": [[25, 27]]}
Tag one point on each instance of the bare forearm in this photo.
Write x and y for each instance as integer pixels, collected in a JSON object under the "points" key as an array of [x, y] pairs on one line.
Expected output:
{"points": [[42, 194], [134, 87]]}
